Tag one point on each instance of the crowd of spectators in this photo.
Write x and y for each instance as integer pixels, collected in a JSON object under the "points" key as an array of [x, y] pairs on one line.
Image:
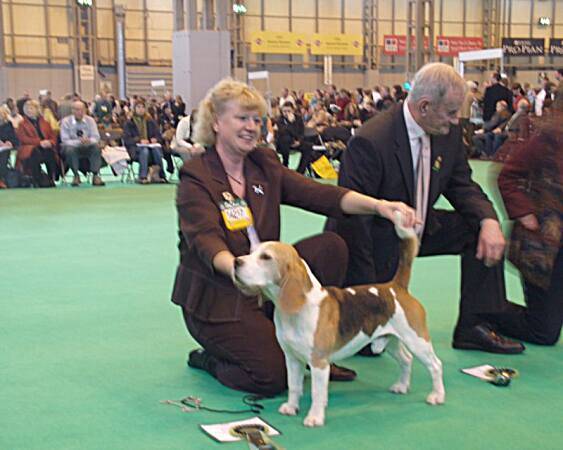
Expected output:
{"points": [[82, 136]]}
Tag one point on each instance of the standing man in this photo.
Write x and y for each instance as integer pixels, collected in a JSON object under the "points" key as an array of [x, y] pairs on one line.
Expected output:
{"points": [[80, 139], [493, 94], [414, 153]]}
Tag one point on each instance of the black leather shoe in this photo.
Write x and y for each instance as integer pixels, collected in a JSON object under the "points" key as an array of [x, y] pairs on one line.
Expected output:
{"points": [[200, 359], [338, 373], [482, 337]]}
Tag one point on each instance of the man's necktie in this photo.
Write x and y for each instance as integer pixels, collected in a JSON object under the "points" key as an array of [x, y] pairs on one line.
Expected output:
{"points": [[422, 184]]}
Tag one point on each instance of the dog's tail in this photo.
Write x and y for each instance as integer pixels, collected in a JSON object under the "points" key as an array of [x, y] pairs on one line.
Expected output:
{"points": [[408, 251]]}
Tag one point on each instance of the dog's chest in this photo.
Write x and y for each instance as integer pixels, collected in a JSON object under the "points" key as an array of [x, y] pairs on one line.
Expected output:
{"points": [[296, 332]]}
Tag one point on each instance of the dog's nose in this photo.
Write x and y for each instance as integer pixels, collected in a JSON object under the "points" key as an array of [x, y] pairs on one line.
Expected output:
{"points": [[238, 262]]}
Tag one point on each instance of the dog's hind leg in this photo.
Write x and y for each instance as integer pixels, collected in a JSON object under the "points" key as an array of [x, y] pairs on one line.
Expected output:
{"points": [[424, 351], [400, 354], [295, 374]]}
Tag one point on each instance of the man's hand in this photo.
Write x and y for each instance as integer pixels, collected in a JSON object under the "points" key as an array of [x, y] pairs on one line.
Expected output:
{"points": [[490, 247], [6, 144], [45, 144], [530, 222], [387, 209], [497, 131], [197, 149], [84, 140]]}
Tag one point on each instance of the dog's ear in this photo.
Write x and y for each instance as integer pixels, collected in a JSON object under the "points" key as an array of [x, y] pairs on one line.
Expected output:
{"points": [[294, 286]]}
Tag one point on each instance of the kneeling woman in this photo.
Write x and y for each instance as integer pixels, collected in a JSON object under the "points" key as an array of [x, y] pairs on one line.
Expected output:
{"points": [[238, 337]]}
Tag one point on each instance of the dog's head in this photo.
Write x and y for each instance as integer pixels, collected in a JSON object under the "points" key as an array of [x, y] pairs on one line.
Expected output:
{"points": [[271, 265]]}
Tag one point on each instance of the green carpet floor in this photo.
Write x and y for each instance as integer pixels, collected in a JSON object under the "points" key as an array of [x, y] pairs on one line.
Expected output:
{"points": [[90, 343]]}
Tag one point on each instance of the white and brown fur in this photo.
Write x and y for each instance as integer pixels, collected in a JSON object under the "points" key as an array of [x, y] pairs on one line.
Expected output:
{"points": [[317, 325]]}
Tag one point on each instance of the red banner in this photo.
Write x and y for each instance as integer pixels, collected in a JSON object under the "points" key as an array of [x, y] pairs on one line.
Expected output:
{"points": [[452, 45], [396, 45]]}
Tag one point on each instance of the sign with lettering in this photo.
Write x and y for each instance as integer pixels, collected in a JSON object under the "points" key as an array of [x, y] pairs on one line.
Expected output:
{"points": [[452, 45], [523, 46], [556, 47], [396, 45]]}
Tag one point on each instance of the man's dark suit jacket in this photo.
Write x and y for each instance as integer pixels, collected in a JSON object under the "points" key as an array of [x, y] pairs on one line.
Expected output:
{"points": [[493, 94], [378, 163], [202, 292]]}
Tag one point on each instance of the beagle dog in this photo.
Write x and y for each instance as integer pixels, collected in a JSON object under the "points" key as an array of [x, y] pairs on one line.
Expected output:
{"points": [[317, 325]]}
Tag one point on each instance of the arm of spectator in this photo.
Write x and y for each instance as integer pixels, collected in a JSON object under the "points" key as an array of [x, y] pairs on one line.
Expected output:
{"points": [[183, 133], [93, 132]]}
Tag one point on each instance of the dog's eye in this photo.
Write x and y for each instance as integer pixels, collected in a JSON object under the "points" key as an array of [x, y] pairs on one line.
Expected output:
{"points": [[265, 257]]}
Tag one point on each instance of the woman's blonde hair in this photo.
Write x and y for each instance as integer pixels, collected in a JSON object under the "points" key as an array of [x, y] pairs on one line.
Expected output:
{"points": [[215, 102], [4, 113], [31, 104]]}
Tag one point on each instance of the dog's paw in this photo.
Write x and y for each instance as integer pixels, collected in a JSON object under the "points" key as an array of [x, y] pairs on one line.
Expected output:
{"points": [[399, 388], [288, 410], [314, 420], [436, 398]]}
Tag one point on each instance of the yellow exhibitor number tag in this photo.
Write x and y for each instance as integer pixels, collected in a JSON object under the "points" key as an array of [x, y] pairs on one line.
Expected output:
{"points": [[236, 214]]}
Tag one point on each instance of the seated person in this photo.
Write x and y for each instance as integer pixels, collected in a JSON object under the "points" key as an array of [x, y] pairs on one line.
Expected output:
{"points": [[80, 139], [320, 119], [237, 334], [536, 247], [140, 135], [483, 140], [8, 141], [290, 135], [182, 145], [38, 144]]}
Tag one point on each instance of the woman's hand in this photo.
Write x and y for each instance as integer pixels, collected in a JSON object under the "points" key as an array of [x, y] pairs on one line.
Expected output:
{"points": [[387, 209], [530, 222]]}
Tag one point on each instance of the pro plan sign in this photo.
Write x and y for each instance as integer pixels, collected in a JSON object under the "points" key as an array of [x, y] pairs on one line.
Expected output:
{"points": [[556, 47], [523, 47]]}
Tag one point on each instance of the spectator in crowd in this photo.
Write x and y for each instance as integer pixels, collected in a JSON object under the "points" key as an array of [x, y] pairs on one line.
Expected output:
{"points": [[286, 97], [103, 107], [472, 95], [518, 127], [48, 114], [398, 94], [178, 108], [484, 138], [37, 146], [80, 140], [541, 97], [531, 184], [21, 101], [414, 153], [65, 106], [183, 144], [320, 118], [14, 117], [8, 141], [48, 102], [493, 94], [290, 136], [142, 138], [517, 95]]}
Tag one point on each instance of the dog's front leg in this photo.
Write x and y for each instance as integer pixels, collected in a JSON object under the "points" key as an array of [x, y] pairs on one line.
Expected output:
{"points": [[319, 381], [295, 374]]}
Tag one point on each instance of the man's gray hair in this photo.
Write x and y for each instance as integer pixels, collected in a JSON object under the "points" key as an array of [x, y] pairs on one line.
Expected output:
{"points": [[434, 81]]}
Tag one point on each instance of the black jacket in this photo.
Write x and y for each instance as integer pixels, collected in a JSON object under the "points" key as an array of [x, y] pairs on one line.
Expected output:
{"points": [[378, 163]]}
